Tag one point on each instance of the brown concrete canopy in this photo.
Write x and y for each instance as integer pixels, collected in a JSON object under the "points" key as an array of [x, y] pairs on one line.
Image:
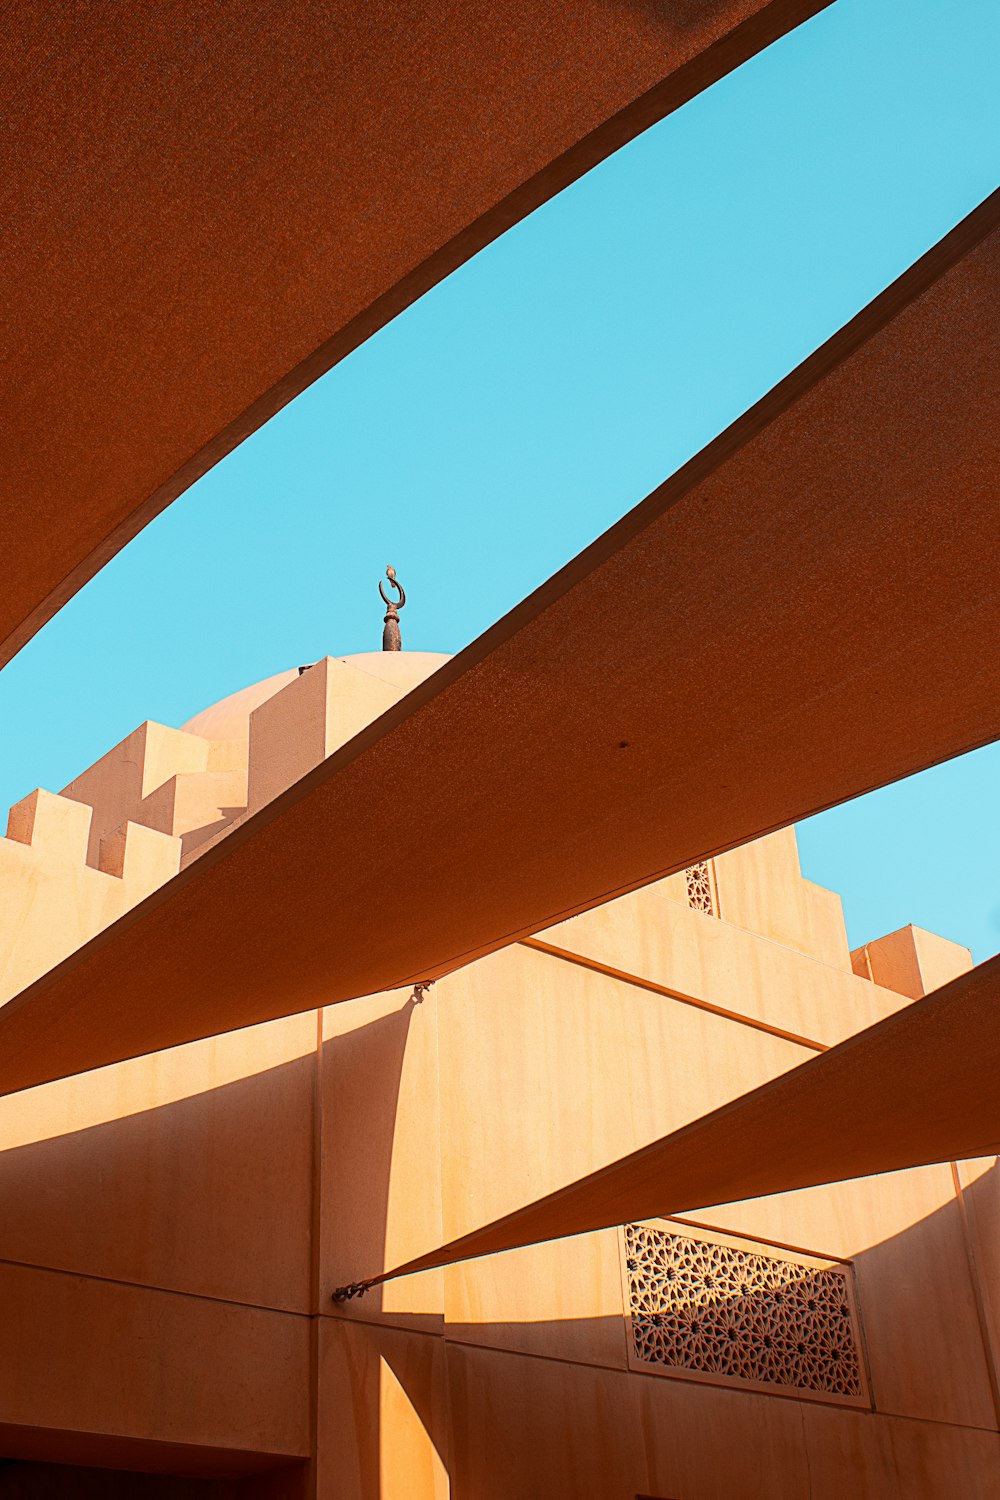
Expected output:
{"points": [[920, 1087], [806, 610], [205, 206]]}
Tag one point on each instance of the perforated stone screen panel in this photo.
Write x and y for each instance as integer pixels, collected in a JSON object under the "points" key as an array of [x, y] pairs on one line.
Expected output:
{"points": [[736, 1312], [700, 888]]}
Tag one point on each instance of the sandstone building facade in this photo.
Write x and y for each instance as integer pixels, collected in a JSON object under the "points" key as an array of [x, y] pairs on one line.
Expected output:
{"points": [[174, 1226]]}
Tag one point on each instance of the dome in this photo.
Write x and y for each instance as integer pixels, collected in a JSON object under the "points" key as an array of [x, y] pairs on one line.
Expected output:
{"points": [[229, 719]]}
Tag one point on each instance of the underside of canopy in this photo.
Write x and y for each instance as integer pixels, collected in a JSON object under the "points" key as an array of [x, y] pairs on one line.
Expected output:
{"points": [[808, 609], [206, 206]]}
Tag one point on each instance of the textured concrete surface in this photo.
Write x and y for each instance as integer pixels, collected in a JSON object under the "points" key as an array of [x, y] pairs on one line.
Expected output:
{"points": [[174, 1225], [827, 622], [206, 206]]}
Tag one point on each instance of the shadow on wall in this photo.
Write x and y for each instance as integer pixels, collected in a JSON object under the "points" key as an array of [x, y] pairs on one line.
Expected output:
{"points": [[41, 1481], [211, 1196], [171, 1196], [360, 1082], [535, 1427], [218, 1158]]}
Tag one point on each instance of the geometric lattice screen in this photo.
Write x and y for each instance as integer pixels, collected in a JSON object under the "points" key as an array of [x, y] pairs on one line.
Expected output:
{"points": [[711, 1309], [699, 888]]}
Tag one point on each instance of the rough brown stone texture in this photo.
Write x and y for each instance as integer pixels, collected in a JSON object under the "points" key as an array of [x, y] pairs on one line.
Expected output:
{"points": [[205, 206], [830, 607]]}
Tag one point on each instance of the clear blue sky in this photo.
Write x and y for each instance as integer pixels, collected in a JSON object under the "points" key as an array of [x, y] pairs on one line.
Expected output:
{"points": [[512, 415]]}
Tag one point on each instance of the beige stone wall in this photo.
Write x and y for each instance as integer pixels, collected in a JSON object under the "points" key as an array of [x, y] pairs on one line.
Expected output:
{"points": [[174, 1226], [911, 961], [546, 1069], [761, 888]]}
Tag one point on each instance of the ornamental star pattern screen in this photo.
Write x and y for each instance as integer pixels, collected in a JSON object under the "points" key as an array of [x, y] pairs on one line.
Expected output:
{"points": [[701, 1306], [699, 888]]}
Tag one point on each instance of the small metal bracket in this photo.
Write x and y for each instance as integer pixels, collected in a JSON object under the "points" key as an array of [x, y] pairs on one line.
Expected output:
{"points": [[420, 990], [352, 1289]]}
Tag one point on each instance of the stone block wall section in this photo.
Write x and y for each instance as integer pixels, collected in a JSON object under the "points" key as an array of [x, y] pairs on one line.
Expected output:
{"points": [[163, 796], [761, 888], [130, 781], [911, 961], [73, 863], [519, 1073], [310, 718], [52, 901], [175, 1225]]}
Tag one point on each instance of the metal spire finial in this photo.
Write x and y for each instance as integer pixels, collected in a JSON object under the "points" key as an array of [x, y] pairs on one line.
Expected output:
{"points": [[391, 638]]}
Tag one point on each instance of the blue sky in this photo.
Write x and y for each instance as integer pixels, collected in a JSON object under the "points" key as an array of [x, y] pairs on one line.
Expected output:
{"points": [[513, 414]]}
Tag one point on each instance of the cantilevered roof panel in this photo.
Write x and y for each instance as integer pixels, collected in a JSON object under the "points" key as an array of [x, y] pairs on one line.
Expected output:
{"points": [[808, 609], [206, 206]]}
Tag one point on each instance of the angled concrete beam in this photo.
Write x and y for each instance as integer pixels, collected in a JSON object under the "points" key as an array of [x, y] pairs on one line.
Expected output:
{"points": [[920, 1087], [207, 207], [808, 609]]}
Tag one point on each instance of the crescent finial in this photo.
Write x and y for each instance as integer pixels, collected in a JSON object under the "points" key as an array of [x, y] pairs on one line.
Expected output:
{"points": [[391, 638]]}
